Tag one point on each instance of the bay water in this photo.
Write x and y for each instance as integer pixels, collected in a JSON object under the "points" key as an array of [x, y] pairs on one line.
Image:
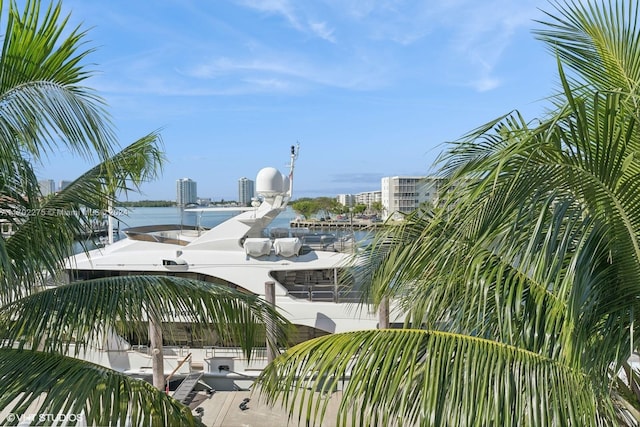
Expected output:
{"points": [[141, 216], [136, 217]]}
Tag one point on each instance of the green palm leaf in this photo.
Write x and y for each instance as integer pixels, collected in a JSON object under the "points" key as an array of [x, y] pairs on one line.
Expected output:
{"points": [[597, 41], [529, 267], [82, 312], [49, 384], [44, 237], [43, 101], [428, 378], [44, 106]]}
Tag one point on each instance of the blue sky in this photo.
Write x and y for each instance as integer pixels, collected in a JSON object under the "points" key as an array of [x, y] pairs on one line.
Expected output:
{"points": [[369, 88]]}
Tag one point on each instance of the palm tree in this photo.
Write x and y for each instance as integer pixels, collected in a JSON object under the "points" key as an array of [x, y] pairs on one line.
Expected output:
{"points": [[377, 207], [44, 106], [521, 289]]}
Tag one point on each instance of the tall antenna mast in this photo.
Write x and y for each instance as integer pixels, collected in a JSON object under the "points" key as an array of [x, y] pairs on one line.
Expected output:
{"points": [[295, 149]]}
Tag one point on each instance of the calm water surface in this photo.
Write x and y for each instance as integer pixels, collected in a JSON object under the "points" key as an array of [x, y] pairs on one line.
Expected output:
{"points": [[135, 217]]}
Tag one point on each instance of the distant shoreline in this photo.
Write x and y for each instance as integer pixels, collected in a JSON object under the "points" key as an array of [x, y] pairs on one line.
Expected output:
{"points": [[354, 223], [147, 204], [166, 204]]}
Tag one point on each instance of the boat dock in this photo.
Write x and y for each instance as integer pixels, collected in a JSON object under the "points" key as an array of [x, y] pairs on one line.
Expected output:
{"points": [[356, 224]]}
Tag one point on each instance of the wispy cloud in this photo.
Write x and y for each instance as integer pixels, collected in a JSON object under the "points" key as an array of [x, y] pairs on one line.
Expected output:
{"points": [[473, 34], [485, 83], [221, 76], [362, 45], [291, 72], [322, 30], [481, 32], [297, 18], [282, 7]]}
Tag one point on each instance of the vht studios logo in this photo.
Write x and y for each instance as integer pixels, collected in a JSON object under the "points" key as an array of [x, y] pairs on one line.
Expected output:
{"points": [[45, 418]]}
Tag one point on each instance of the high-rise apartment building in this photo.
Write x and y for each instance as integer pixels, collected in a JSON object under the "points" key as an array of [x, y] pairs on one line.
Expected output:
{"points": [[403, 194], [246, 191], [63, 184], [348, 200], [368, 198], [186, 191], [47, 186]]}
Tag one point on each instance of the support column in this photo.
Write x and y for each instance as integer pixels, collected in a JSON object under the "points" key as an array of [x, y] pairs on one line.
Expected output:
{"points": [[157, 356], [383, 314], [110, 213], [270, 297]]}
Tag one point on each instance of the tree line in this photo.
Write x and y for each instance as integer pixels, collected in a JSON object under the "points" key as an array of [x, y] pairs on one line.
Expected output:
{"points": [[326, 206], [147, 204]]}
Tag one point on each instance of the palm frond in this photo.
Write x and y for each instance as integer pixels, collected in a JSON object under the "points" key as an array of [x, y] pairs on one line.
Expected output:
{"points": [[45, 235], [82, 313], [43, 101], [597, 41], [428, 378], [43, 383], [536, 246]]}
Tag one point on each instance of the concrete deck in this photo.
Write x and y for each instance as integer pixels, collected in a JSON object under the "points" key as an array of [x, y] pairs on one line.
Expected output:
{"points": [[222, 409]]}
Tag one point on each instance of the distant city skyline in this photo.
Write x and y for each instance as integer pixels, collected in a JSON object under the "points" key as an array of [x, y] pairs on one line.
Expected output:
{"points": [[187, 193], [49, 186]]}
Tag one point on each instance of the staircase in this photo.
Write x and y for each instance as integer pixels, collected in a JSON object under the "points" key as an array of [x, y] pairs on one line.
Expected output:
{"points": [[185, 393]]}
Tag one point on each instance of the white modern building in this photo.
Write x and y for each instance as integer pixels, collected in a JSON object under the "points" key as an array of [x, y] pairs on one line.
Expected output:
{"points": [[403, 194], [246, 191], [63, 184], [47, 186], [368, 198], [186, 191], [348, 200], [204, 201]]}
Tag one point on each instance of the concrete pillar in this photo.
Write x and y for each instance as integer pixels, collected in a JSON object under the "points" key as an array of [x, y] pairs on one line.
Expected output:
{"points": [[157, 356], [270, 297], [383, 314]]}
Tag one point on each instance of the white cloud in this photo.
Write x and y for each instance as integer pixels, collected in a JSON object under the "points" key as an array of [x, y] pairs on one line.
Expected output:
{"points": [[321, 30], [302, 17], [289, 72], [269, 85], [467, 34], [280, 7], [295, 17], [481, 32], [485, 83], [372, 44]]}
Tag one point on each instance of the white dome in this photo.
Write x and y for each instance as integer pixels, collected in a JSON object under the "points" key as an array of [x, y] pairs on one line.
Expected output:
{"points": [[269, 182]]}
